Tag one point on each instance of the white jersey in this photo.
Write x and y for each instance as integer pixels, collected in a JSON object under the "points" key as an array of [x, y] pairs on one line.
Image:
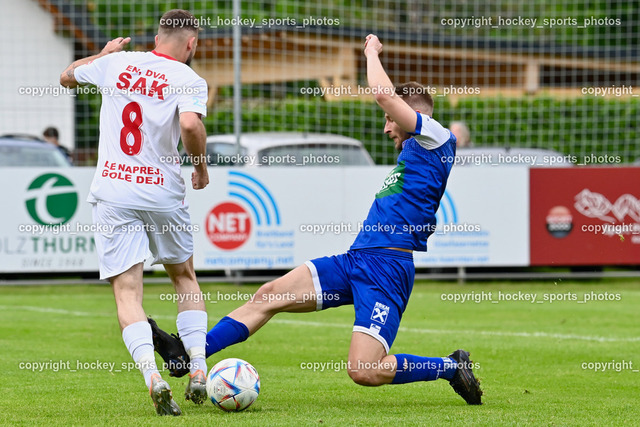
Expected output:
{"points": [[143, 94]]}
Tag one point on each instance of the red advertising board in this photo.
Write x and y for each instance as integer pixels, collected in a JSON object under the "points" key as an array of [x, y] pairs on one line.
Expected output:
{"points": [[585, 216]]}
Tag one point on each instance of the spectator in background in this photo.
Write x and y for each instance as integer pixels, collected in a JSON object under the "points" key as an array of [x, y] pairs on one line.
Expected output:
{"points": [[51, 135], [462, 134]]}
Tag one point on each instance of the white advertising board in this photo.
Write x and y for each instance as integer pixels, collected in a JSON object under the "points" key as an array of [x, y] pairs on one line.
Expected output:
{"points": [[35, 198], [265, 218]]}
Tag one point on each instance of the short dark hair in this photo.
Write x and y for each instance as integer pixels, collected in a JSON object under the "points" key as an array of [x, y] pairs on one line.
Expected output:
{"points": [[417, 96], [51, 132], [177, 20]]}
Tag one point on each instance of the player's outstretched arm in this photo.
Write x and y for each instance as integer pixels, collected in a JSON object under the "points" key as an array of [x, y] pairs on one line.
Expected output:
{"points": [[67, 78], [194, 138], [384, 90]]}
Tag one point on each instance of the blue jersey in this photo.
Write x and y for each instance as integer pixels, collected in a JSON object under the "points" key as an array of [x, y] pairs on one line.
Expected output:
{"points": [[403, 214]]}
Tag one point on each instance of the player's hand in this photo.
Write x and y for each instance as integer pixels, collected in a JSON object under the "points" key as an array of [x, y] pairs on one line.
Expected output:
{"points": [[115, 45], [199, 179], [372, 44]]}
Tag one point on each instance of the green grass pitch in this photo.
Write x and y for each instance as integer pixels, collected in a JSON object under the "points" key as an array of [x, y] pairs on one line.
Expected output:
{"points": [[537, 361]]}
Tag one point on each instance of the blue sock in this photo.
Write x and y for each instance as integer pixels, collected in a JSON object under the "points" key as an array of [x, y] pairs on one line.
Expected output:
{"points": [[416, 368], [226, 332]]}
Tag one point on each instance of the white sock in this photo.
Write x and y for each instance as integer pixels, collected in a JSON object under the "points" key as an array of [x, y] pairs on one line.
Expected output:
{"points": [[192, 328], [138, 339]]}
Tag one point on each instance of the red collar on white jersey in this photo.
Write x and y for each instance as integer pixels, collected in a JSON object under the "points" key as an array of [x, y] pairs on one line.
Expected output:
{"points": [[163, 55]]}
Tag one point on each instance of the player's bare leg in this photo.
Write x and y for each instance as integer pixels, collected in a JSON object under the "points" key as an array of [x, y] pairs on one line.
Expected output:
{"points": [[292, 293], [192, 326], [127, 290], [136, 333], [186, 285], [369, 364]]}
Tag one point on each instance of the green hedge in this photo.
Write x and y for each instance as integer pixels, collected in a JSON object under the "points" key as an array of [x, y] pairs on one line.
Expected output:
{"points": [[578, 127], [618, 26]]}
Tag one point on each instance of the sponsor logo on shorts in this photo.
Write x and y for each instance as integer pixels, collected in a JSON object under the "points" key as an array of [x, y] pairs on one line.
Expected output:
{"points": [[380, 313]]}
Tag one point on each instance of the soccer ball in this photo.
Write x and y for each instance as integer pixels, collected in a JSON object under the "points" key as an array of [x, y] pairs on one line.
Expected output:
{"points": [[233, 385]]}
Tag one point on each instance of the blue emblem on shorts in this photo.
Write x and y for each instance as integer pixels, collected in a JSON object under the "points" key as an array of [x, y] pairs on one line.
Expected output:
{"points": [[380, 313]]}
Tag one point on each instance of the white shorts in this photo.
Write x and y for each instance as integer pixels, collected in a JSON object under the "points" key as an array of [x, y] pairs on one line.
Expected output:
{"points": [[124, 237]]}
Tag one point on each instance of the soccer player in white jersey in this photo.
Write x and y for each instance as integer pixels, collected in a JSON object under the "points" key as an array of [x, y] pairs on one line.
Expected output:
{"points": [[149, 100]]}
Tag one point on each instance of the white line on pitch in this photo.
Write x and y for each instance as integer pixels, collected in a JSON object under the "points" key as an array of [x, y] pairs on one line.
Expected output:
{"points": [[346, 326], [474, 332]]}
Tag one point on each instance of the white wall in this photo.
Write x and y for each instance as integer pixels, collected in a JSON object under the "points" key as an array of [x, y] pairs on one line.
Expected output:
{"points": [[32, 55]]}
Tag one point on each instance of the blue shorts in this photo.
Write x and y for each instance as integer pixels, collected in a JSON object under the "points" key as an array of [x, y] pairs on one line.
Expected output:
{"points": [[377, 282]]}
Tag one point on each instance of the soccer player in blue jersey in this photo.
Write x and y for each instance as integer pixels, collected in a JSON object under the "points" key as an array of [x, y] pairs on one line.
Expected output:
{"points": [[376, 274]]}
